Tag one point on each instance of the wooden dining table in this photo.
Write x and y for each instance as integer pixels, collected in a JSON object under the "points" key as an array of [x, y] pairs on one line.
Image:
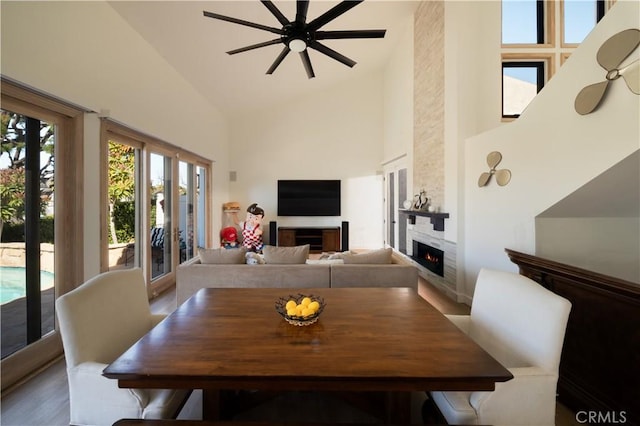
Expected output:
{"points": [[386, 340]]}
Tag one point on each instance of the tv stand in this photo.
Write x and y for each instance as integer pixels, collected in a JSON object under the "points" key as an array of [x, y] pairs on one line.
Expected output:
{"points": [[320, 239]]}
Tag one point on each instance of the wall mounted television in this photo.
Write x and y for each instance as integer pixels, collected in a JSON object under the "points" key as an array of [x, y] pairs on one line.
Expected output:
{"points": [[308, 198]]}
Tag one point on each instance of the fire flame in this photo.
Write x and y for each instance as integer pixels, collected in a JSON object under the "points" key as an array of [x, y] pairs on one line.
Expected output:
{"points": [[431, 258]]}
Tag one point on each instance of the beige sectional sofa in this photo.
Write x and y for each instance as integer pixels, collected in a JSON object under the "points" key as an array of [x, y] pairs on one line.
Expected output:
{"points": [[193, 275]]}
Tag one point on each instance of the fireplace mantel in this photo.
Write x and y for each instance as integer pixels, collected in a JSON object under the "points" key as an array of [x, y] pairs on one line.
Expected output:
{"points": [[437, 219]]}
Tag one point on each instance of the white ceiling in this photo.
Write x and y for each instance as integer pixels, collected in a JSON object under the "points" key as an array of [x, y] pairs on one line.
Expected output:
{"points": [[195, 46]]}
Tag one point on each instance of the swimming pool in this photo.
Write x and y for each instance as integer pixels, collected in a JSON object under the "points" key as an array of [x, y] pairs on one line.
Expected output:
{"points": [[12, 282]]}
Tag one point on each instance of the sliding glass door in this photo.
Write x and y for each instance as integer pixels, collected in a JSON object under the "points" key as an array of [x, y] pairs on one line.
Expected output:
{"points": [[27, 171], [154, 193], [161, 198], [123, 205], [41, 241]]}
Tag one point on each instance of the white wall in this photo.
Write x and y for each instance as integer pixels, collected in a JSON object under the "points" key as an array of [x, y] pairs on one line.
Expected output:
{"points": [[84, 53], [609, 246], [398, 99], [336, 134], [472, 87], [551, 151]]}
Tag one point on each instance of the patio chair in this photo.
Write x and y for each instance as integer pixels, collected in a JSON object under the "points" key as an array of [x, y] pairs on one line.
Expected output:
{"points": [[99, 321]]}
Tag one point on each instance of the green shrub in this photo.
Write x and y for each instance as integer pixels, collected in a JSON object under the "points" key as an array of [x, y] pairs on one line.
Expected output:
{"points": [[124, 219], [47, 230], [14, 232]]}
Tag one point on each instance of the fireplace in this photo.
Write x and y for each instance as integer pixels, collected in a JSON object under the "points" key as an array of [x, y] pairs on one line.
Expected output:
{"points": [[429, 257]]}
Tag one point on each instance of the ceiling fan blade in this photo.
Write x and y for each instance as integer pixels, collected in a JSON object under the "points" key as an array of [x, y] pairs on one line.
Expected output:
{"points": [[326, 35], [631, 76], [332, 14], [241, 22], [306, 61], [278, 60], [255, 46], [589, 97], [302, 6], [332, 53], [617, 48], [275, 11]]}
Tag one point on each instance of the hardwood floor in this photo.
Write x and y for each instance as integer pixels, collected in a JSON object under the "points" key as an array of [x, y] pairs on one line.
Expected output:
{"points": [[44, 399]]}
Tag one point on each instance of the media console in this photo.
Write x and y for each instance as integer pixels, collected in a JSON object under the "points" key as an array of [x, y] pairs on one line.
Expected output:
{"points": [[320, 239]]}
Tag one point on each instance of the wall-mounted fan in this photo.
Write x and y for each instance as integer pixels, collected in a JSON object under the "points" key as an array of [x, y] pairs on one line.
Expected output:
{"points": [[298, 35], [610, 56], [503, 176]]}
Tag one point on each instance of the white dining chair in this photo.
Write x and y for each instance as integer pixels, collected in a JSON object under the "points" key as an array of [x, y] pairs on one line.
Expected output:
{"points": [[99, 321], [522, 325]]}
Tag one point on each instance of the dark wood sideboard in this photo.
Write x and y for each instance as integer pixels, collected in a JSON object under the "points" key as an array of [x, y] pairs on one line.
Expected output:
{"points": [[600, 365], [320, 239]]}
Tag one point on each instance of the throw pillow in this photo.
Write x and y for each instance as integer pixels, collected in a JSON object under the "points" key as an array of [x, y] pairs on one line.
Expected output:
{"points": [[222, 256], [157, 237], [339, 255], [380, 256], [285, 255]]}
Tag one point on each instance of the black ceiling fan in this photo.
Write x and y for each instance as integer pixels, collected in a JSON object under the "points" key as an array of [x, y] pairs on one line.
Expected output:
{"points": [[298, 35]]}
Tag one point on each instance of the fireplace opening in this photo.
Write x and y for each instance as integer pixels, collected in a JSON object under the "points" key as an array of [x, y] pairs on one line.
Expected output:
{"points": [[429, 257]]}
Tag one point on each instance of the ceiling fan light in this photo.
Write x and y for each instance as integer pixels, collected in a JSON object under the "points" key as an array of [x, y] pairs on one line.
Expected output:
{"points": [[297, 45]]}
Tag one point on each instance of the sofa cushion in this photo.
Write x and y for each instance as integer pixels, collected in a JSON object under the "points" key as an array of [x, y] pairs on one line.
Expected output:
{"points": [[378, 257], [222, 256], [191, 276], [370, 275], [286, 255]]}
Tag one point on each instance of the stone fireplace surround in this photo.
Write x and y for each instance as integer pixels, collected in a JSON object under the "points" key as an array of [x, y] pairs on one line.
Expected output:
{"points": [[423, 232]]}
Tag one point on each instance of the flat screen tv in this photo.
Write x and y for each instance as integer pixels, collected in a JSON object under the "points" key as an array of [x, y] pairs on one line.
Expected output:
{"points": [[308, 198]]}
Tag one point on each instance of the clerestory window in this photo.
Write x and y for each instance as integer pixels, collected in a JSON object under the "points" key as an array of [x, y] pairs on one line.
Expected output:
{"points": [[536, 35]]}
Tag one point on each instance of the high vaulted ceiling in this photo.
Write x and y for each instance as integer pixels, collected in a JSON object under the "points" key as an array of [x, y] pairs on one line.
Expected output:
{"points": [[196, 46]]}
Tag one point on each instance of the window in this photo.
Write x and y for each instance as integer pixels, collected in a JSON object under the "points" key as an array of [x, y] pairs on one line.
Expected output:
{"points": [[579, 17], [162, 237], [123, 188], [41, 206], [203, 213], [535, 36], [153, 192], [521, 82], [523, 22]]}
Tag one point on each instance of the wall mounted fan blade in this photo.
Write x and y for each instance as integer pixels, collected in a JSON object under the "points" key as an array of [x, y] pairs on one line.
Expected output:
{"points": [[631, 76], [610, 56], [589, 97], [503, 176], [493, 159], [484, 179], [617, 48], [298, 35]]}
